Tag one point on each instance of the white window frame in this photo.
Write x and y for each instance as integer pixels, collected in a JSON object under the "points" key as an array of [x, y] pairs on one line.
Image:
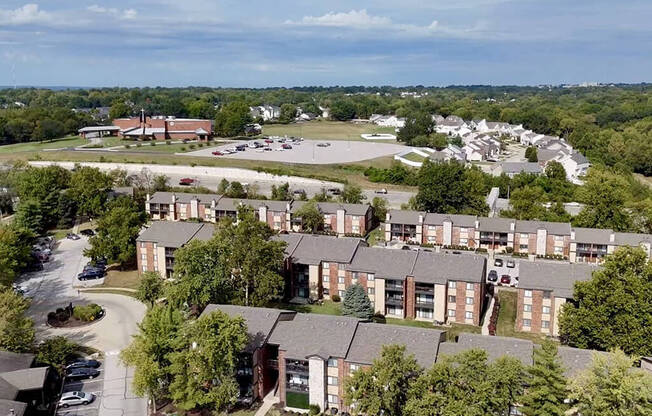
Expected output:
{"points": [[332, 362], [527, 307], [469, 286], [527, 293], [452, 284], [451, 313], [527, 323], [332, 381], [325, 265], [468, 315], [469, 300], [371, 277], [546, 310]]}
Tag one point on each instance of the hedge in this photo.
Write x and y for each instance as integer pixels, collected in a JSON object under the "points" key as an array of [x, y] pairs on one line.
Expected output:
{"points": [[87, 312]]}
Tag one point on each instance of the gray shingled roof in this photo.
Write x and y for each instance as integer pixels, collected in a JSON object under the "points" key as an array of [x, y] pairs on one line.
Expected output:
{"points": [[438, 268], [632, 239], [405, 217], [556, 228], [575, 360], [260, 321], [495, 347], [166, 197], [369, 339], [7, 406], [313, 249], [313, 334], [557, 277], [7, 390], [27, 378], [496, 225], [591, 235], [579, 158], [383, 262], [292, 241], [174, 234], [457, 220], [518, 167], [332, 207], [10, 361]]}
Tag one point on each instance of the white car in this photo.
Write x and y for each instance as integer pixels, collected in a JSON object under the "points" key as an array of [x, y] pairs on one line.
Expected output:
{"points": [[74, 398]]}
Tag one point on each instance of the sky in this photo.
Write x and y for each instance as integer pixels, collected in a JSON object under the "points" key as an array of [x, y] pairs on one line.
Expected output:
{"points": [[285, 43]]}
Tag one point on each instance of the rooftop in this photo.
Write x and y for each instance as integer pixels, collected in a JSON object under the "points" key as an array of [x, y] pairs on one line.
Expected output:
{"points": [[175, 234], [557, 277], [313, 249]]}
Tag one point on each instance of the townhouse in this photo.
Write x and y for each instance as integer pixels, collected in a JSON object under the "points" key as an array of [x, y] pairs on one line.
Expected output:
{"points": [[541, 238], [543, 288], [306, 358], [339, 218], [591, 245]]}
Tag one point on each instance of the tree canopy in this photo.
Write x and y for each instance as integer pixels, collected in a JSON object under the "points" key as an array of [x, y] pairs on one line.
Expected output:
{"points": [[547, 391], [16, 329], [356, 302]]}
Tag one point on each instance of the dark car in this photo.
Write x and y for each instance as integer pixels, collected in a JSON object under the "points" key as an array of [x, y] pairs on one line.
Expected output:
{"points": [[87, 233], [90, 268], [72, 236], [91, 275], [493, 276], [505, 279], [334, 191], [267, 149], [241, 147], [101, 262], [286, 146], [498, 262], [81, 373], [83, 364]]}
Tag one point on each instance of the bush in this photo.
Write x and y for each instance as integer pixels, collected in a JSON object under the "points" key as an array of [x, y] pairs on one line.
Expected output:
{"points": [[168, 142], [314, 409], [87, 313], [139, 144], [152, 143], [336, 298], [509, 250], [183, 148], [192, 146], [200, 144], [127, 146]]}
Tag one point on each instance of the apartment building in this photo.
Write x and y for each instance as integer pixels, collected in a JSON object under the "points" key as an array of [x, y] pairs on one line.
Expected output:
{"points": [[156, 245], [543, 289], [591, 245], [309, 356], [339, 218], [542, 238]]}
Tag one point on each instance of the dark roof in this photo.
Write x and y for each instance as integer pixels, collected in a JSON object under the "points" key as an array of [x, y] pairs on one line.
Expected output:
{"points": [[333, 207], [7, 390], [166, 197], [592, 235], [10, 361], [260, 321], [313, 249], [369, 339], [7, 406], [313, 334], [292, 241], [556, 228], [457, 220], [175, 234], [579, 158], [495, 347], [557, 277], [632, 239], [575, 360], [496, 225], [383, 262], [405, 217], [26, 379], [439, 268], [518, 167]]}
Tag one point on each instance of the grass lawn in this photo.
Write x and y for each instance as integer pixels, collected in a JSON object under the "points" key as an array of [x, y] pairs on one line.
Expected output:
{"points": [[375, 236], [111, 291], [326, 130], [296, 400], [327, 308], [507, 319], [121, 279], [69, 141], [414, 157]]}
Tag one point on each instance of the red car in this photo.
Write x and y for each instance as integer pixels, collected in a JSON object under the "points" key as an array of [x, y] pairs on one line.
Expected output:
{"points": [[286, 146], [218, 153], [505, 279], [186, 181], [269, 141]]}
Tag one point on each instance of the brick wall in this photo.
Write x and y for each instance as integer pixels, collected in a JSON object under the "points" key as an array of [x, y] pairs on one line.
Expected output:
{"points": [[408, 298], [348, 224], [333, 278], [343, 371], [519, 309], [281, 377], [478, 297], [532, 244], [537, 305], [460, 302]]}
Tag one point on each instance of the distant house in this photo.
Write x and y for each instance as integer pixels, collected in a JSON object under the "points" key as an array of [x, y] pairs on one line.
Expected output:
{"points": [[266, 112], [97, 113], [387, 121], [575, 165], [164, 127], [512, 169]]}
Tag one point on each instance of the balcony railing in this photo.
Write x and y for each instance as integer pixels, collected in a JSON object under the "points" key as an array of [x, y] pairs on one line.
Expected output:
{"points": [[298, 387], [424, 289], [296, 368], [272, 364], [394, 301], [393, 287]]}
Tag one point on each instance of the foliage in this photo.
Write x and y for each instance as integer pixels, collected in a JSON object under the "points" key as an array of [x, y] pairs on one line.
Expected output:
{"points": [[117, 230], [397, 174], [418, 124], [311, 217], [466, 384], [288, 113], [204, 361], [356, 303], [352, 194], [15, 252], [379, 206], [28, 216], [342, 110], [56, 351], [232, 119], [546, 383], [89, 187], [531, 154], [87, 313], [382, 389], [281, 192], [16, 329], [604, 193], [150, 288], [611, 387], [526, 203], [613, 308], [555, 170]]}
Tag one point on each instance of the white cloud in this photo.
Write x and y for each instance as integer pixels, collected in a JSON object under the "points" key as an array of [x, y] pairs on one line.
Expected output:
{"points": [[354, 18], [125, 14], [29, 13], [129, 13]]}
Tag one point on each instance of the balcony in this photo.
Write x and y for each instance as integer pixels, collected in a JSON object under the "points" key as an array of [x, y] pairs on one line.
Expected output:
{"points": [[397, 301], [296, 368], [272, 364], [394, 287], [428, 290], [303, 388]]}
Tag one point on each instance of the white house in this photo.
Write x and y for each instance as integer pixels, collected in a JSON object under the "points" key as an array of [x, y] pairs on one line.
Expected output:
{"points": [[325, 112], [575, 165], [388, 121], [266, 112]]}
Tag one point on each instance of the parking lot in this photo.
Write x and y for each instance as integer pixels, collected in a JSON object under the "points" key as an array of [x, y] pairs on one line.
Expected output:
{"points": [[307, 151], [94, 386], [512, 272]]}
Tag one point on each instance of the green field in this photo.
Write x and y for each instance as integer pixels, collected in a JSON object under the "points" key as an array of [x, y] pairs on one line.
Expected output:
{"points": [[69, 141], [326, 130], [414, 157]]}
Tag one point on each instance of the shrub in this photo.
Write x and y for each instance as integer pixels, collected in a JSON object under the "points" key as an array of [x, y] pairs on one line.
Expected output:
{"points": [[192, 165], [183, 148], [509, 250], [152, 143], [200, 144], [168, 142], [192, 146], [314, 409], [127, 146], [336, 298], [87, 312]]}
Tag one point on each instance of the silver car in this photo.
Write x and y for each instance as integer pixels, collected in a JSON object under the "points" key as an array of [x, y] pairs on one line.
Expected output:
{"points": [[74, 398]]}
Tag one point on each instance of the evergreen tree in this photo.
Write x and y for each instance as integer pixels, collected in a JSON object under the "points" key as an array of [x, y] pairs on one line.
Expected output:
{"points": [[356, 303], [546, 390]]}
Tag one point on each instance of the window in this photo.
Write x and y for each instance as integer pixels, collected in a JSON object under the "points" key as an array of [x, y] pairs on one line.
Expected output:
{"points": [[355, 218], [340, 280], [452, 285], [341, 293], [528, 294], [325, 265], [522, 247], [468, 315], [432, 227], [355, 229], [325, 279], [546, 310], [451, 313], [464, 241], [326, 292], [142, 244], [527, 322], [545, 324], [371, 277], [371, 291], [155, 246], [394, 310], [546, 294], [424, 313], [332, 399], [341, 266], [469, 301], [464, 230], [332, 381], [354, 367], [469, 286], [144, 267], [527, 308], [277, 225], [559, 238], [354, 275], [143, 256], [452, 299], [559, 250], [332, 362]]}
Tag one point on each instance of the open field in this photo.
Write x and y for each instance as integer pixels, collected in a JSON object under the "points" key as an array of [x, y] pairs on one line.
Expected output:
{"points": [[69, 141], [325, 130]]}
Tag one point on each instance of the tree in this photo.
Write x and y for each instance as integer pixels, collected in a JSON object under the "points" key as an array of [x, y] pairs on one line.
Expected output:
{"points": [[531, 154], [89, 188], [356, 303], [232, 119], [48, 129], [204, 362], [352, 194], [342, 110], [16, 329], [526, 203], [117, 230], [322, 196], [418, 124], [119, 109], [150, 349], [311, 217], [612, 387], [466, 385], [282, 192], [382, 389], [555, 171], [150, 288], [56, 352], [604, 194], [613, 308], [236, 190], [15, 249], [288, 113], [223, 187], [546, 383], [28, 216], [379, 206]]}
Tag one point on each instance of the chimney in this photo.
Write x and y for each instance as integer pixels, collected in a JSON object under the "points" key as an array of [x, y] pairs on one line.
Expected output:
{"points": [[572, 235], [612, 237], [387, 216], [147, 197], [174, 198], [420, 218]]}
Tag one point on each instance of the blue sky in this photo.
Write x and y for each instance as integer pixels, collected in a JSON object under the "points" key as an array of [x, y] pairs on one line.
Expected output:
{"points": [[293, 43]]}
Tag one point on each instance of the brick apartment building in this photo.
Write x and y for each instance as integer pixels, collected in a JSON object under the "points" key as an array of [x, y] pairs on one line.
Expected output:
{"points": [[543, 289], [309, 356], [164, 127], [339, 218]]}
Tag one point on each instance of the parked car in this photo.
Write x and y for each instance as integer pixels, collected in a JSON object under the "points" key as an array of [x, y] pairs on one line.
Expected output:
{"points": [[88, 232], [498, 262], [241, 148], [511, 264], [298, 192], [217, 153], [42, 256], [91, 275], [334, 191], [74, 398], [381, 191], [83, 364], [268, 149], [286, 146], [81, 373], [505, 279], [186, 181], [323, 144], [269, 141], [493, 276], [72, 236]]}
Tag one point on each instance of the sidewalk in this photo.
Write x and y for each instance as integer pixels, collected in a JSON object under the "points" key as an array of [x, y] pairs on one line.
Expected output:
{"points": [[117, 397]]}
